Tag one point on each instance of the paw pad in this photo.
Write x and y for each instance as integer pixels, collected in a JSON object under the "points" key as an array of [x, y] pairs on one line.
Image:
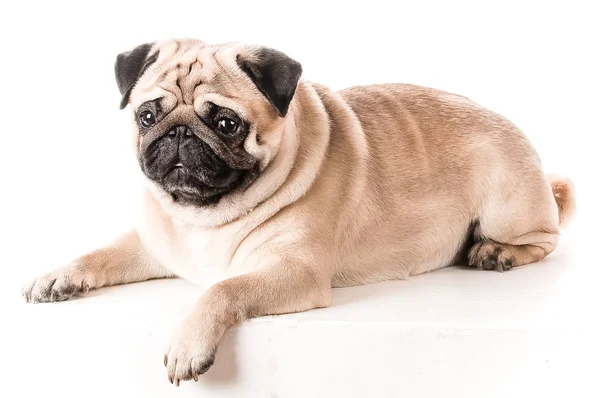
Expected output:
{"points": [[490, 256]]}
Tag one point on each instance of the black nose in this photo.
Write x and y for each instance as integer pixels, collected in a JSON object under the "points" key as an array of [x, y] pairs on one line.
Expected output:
{"points": [[180, 131]]}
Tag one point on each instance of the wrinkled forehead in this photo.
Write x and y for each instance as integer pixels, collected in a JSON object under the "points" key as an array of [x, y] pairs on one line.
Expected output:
{"points": [[192, 72]]}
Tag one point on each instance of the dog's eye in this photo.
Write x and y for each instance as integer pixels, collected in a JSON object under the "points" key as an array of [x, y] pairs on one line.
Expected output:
{"points": [[226, 125], [147, 119]]}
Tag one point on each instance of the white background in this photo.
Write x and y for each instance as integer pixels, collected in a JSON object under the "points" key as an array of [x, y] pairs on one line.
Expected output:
{"points": [[68, 178]]}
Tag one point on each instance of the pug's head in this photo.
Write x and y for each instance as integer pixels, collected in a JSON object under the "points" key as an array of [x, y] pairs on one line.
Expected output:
{"points": [[209, 119]]}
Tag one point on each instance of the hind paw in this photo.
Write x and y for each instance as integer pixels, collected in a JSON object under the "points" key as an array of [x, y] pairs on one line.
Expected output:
{"points": [[491, 256]]}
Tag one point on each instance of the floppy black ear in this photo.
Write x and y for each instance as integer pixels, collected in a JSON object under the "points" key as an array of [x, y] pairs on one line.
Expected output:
{"points": [[275, 74], [129, 66]]}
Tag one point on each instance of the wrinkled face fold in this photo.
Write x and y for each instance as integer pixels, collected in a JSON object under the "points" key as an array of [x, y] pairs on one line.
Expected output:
{"points": [[195, 158], [208, 117]]}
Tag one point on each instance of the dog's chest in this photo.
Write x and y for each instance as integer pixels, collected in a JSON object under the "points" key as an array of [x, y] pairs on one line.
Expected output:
{"points": [[201, 255]]}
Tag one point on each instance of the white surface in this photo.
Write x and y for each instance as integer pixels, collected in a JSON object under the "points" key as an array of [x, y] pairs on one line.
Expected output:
{"points": [[458, 331], [66, 187]]}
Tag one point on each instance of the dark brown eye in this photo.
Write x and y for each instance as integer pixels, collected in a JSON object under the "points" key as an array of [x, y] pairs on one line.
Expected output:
{"points": [[227, 126], [147, 119]]}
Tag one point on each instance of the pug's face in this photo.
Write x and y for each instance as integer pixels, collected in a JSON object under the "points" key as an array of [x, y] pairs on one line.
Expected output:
{"points": [[209, 119]]}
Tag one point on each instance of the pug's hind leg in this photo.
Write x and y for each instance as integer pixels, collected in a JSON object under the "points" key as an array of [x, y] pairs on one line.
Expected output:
{"points": [[519, 231], [124, 261]]}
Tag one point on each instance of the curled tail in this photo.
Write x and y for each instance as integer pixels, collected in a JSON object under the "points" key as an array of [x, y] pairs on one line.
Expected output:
{"points": [[564, 194]]}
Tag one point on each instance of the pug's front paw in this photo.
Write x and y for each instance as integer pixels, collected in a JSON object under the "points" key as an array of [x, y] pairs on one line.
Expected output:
{"points": [[59, 285], [190, 354]]}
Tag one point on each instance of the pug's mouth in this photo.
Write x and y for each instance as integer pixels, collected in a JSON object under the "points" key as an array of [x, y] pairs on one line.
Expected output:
{"points": [[204, 177], [187, 187], [177, 168]]}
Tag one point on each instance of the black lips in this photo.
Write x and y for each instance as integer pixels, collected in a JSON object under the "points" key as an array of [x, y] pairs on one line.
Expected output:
{"points": [[188, 168]]}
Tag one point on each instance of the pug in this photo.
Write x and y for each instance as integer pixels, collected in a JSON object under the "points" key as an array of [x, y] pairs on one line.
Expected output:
{"points": [[269, 190]]}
